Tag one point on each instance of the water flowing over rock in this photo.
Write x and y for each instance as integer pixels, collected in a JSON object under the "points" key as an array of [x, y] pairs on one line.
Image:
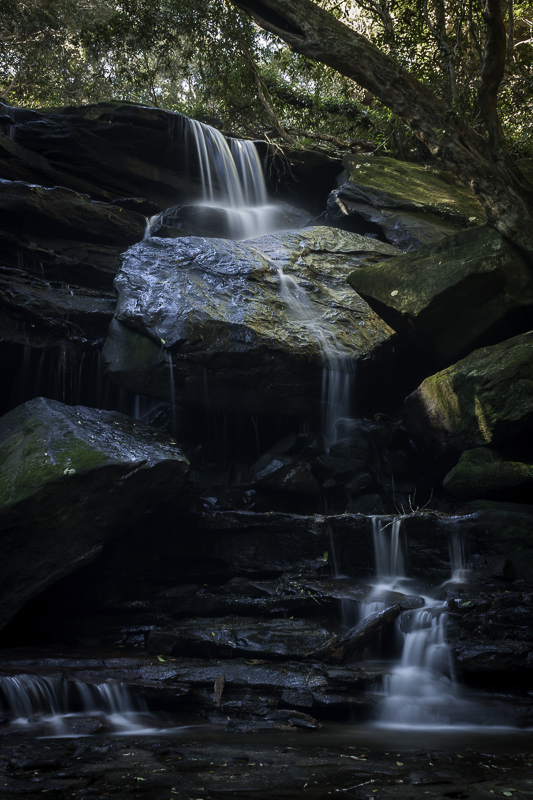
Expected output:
{"points": [[100, 464], [212, 310], [450, 297], [313, 569]]}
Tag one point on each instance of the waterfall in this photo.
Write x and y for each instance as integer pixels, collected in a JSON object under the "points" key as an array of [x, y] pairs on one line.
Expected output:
{"points": [[232, 181], [390, 569], [421, 690], [49, 701], [337, 372]]}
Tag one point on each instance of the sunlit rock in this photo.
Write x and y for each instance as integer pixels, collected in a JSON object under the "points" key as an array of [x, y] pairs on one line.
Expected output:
{"points": [[407, 204], [486, 399], [463, 292], [244, 325]]}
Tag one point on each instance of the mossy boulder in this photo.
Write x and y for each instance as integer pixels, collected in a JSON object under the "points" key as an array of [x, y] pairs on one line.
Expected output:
{"points": [[486, 399], [406, 204], [244, 326], [485, 473], [71, 477], [467, 290]]}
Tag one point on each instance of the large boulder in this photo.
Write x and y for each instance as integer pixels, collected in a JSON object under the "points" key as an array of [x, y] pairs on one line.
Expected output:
{"points": [[108, 150], [71, 477], [455, 295], [486, 473], [243, 325], [406, 204], [486, 399], [35, 211]]}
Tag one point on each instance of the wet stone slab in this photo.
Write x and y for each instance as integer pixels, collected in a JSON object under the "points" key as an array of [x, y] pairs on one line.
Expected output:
{"points": [[308, 764]]}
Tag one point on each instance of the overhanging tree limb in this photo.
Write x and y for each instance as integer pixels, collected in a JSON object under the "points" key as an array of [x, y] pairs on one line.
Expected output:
{"points": [[488, 170]]}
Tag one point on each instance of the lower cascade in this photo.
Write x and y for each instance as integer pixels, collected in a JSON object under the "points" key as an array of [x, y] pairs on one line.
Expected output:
{"points": [[60, 707], [422, 690]]}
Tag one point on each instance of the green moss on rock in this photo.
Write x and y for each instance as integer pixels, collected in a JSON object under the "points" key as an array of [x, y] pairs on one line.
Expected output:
{"points": [[485, 473], [416, 186], [453, 295], [484, 399]]}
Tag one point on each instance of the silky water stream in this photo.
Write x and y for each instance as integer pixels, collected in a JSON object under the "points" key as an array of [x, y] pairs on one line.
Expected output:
{"points": [[421, 690]]}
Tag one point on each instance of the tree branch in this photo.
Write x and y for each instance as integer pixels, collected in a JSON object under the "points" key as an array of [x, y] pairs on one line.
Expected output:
{"points": [[492, 69], [482, 164], [341, 144]]}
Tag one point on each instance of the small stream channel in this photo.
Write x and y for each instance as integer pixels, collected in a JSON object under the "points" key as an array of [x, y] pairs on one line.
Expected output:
{"points": [[420, 691]]}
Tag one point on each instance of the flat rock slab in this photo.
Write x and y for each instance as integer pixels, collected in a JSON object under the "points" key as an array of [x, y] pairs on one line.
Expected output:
{"points": [[244, 326], [36, 210], [453, 296], [312, 764], [74, 311], [224, 636], [70, 477]]}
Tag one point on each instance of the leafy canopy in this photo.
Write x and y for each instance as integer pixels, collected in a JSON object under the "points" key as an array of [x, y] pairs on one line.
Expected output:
{"points": [[206, 59]]}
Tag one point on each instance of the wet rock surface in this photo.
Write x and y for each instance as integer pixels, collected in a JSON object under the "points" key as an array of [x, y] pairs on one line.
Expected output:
{"points": [[274, 592], [229, 330], [181, 766], [97, 462]]}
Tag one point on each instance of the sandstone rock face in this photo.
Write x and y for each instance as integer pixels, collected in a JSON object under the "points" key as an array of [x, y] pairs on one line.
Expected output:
{"points": [[406, 204], [500, 532], [243, 325], [453, 296], [36, 211], [77, 186], [486, 399], [71, 477]]}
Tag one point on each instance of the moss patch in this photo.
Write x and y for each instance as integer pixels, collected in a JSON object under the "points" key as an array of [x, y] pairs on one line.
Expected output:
{"points": [[421, 186]]}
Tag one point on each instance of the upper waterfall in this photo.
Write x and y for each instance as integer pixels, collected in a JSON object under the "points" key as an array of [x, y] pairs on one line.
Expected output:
{"points": [[233, 181]]}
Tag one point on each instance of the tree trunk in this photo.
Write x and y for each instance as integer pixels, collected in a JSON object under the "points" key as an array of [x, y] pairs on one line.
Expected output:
{"points": [[482, 164]]}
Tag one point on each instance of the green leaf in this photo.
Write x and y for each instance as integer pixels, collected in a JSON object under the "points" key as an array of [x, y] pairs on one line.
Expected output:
{"points": [[160, 658]]}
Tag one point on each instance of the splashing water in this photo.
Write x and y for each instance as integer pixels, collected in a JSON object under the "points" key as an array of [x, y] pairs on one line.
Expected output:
{"points": [[49, 702], [422, 690], [233, 182]]}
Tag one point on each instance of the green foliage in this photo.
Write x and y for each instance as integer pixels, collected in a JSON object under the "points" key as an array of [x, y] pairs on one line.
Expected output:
{"points": [[206, 59]]}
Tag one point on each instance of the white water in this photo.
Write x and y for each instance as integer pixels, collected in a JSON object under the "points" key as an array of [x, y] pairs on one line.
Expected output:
{"points": [[422, 690], [338, 373], [233, 180], [51, 704]]}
